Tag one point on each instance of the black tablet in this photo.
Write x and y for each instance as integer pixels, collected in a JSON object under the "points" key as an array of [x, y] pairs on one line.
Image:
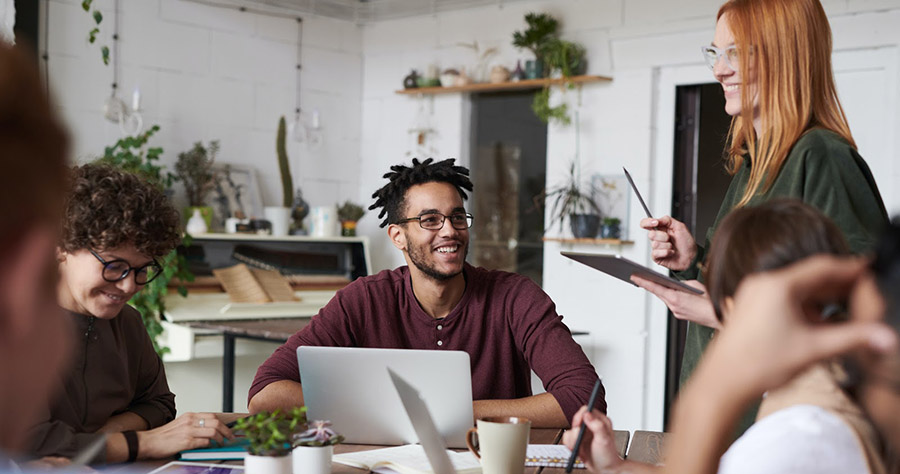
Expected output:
{"points": [[622, 268]]}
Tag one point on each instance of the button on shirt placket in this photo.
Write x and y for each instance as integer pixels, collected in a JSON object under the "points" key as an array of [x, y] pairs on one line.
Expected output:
{"points": [[440, 328]]}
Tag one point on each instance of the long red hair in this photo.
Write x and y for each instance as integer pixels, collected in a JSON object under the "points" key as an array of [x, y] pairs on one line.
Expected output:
{"points": [[787, 44]]}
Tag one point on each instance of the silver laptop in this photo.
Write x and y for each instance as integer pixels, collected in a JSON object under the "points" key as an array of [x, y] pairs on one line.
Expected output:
{"points": [[423, 423], [351, 387]]}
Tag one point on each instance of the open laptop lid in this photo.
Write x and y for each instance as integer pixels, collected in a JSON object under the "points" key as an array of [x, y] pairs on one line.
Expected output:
{"points": [[351, 387], [421, 420]]}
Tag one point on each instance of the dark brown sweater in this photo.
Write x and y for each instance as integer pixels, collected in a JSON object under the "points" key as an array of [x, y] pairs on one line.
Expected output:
{"points": [[113, 369]]}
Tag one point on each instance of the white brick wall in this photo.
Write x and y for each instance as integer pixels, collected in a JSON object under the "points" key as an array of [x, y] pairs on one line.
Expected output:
{"points": [[209, 73]]}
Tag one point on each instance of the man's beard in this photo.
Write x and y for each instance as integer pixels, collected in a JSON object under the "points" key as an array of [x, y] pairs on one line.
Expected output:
{"points": [[418, 255]]}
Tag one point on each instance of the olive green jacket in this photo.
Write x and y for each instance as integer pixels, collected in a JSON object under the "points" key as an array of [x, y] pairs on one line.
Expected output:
{"points": [[822, 170]]}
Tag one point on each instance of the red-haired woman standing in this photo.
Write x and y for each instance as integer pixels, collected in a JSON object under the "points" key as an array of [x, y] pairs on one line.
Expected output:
{"points": [[789, 137]]}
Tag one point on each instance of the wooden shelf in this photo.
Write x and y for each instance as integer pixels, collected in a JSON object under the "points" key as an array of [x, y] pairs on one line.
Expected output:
{"points": [[503, 86], [588, 241]]}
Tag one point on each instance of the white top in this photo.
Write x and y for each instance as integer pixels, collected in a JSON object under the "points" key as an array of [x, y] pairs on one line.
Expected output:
{"points": [[798, 439]]}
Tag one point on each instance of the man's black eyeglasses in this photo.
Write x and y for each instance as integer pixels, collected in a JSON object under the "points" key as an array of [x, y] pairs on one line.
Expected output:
{"points": [[435, 220], [118, 269]]}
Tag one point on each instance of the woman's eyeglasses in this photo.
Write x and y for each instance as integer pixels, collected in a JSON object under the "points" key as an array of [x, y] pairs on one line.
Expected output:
{"points": [[118, 269], [731, 55]]}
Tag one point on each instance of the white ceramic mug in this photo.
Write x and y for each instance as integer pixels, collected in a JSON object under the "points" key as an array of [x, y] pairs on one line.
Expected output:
{"points": [[323, 221], [279, 217], [502, 443]]}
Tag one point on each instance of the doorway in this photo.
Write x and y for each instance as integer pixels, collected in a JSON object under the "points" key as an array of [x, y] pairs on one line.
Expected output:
{"points": [[699, 183], [509, 162]]}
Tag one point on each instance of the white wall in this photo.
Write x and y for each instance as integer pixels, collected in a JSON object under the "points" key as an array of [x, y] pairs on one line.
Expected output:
{"points": [[209, 73], [649, 47]]}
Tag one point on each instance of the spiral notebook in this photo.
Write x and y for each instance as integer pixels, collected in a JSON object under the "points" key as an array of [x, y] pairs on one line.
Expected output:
{"points": [[549, 455]]}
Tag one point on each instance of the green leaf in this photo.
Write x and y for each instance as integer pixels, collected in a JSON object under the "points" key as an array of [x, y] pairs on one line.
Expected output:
{"points": [[98, 17], [104, 52], [92, 36], [86, 5]]}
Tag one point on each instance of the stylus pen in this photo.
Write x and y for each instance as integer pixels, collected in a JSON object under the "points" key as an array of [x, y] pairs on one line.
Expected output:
{"points": [[577, 446]]}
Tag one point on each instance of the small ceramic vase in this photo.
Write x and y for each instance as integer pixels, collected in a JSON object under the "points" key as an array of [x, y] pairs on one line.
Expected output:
{"points": [[499, 74], [518, 73], [196, 224], [411, 81]]}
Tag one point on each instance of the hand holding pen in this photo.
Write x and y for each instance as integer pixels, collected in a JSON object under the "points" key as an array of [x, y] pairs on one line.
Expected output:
{"points": [[577, 444]]}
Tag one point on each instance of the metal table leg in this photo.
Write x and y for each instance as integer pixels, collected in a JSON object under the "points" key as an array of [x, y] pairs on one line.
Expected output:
{"points": [[228, 373]]}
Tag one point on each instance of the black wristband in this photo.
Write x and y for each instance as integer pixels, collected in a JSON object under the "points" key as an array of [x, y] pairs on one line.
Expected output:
{"points": [[131, 439]]}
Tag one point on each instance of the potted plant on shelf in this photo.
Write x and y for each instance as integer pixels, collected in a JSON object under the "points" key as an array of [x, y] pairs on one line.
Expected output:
{"points": [[610, 228], [280, 216], [195, 169], [553, 55], [349, 213], [270, 437], [573, 199], [314, 448], [541, 29]]}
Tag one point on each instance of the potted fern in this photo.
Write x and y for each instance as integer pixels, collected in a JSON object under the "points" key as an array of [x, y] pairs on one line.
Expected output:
{"points": [[270, 436], [573, 200]]}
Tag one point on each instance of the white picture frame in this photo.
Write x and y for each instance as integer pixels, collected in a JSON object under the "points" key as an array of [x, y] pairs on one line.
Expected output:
{"points": [[237, 188]]}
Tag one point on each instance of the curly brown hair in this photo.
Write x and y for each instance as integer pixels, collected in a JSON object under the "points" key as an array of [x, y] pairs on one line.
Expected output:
{"points": [[107, 208]]}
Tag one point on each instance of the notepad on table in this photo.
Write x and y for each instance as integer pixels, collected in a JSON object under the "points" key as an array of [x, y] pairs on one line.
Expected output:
{"points": [[549, 455], [236, 449], [407, 459]]}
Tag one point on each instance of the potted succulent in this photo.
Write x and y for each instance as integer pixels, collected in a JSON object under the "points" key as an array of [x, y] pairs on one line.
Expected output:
{"points": [[573, 199], [270, 437], [195, 169], [314, 448], [610, 228], [349, 213]]}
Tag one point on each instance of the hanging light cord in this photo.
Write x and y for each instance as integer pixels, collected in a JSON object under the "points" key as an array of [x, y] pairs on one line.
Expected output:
{"points": [[299, 63], [115, 51]]}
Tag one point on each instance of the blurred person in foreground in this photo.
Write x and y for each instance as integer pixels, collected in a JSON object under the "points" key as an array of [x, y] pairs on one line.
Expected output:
{"points": [[33, 156], [810, 419], [115, 227]]}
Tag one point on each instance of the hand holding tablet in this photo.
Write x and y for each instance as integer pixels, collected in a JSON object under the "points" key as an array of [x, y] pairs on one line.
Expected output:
{"points": [[623, 269]]}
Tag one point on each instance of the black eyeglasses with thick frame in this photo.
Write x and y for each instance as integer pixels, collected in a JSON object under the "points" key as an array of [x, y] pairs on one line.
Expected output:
{"points": [[118, 269], [435, 220]]}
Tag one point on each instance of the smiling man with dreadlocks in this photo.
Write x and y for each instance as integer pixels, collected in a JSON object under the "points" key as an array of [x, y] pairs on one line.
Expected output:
{"points": [[504, 321]]}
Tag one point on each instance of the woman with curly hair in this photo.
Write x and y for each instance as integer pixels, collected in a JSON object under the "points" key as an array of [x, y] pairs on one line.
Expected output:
{"points": [[115, 226]]}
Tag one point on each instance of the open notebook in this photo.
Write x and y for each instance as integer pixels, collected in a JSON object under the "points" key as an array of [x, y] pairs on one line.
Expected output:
{"points": [[430, 456]]}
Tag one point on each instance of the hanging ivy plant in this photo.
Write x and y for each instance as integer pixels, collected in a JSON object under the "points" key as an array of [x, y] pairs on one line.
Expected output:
{"points": [[131, 154], [92, 35]]}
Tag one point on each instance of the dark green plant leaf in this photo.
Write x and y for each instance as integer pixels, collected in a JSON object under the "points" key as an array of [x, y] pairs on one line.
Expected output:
{"points": [[98, 17], [86, 5], [104, 52], [92, 36]]}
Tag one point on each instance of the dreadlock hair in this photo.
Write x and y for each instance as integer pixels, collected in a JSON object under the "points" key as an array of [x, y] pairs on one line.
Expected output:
{"points": [[392, 196]]}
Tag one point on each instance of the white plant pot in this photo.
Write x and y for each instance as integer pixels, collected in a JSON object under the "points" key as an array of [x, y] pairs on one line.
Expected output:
{"points": [[280, 217], [267, 464], [312, 459]]}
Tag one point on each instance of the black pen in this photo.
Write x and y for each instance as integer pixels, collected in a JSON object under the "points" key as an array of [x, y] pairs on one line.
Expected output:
{"points": [[577, 446]]}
